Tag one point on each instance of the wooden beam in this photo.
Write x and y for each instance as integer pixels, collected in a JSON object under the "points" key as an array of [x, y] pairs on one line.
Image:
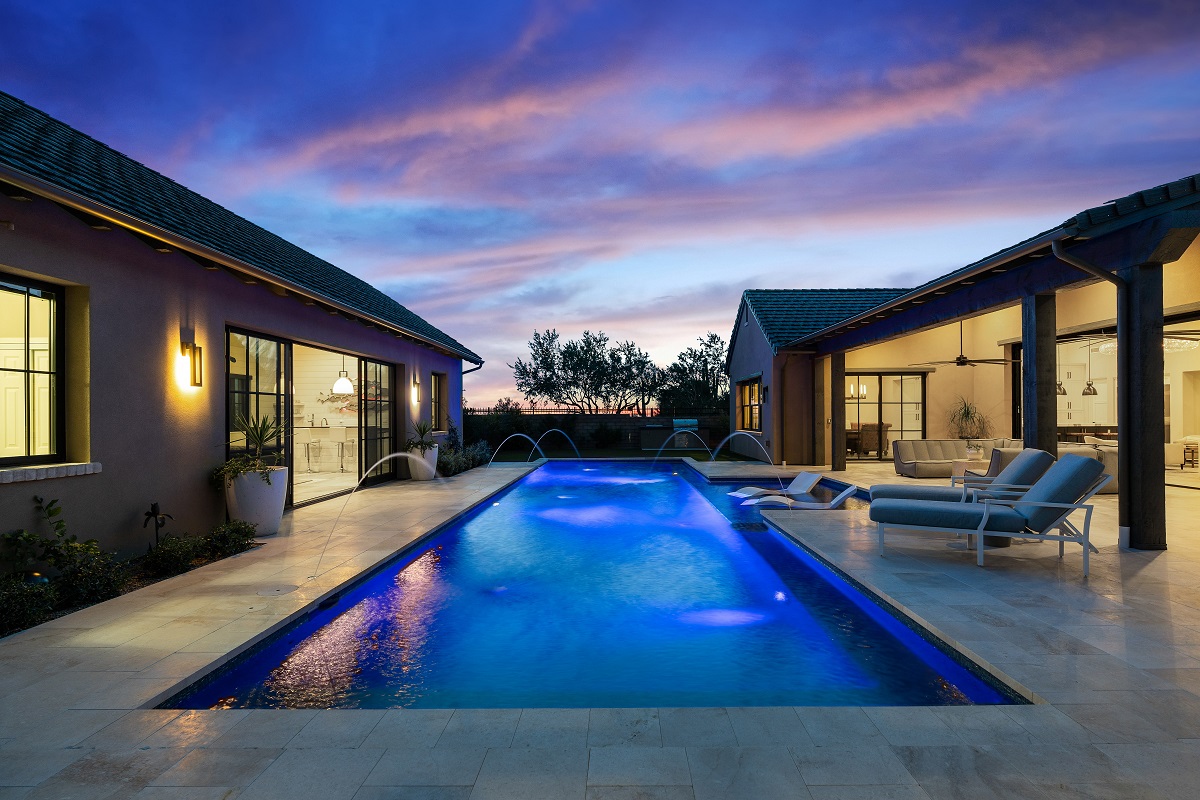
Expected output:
{"points": [[1039, 402], [837, 406]]}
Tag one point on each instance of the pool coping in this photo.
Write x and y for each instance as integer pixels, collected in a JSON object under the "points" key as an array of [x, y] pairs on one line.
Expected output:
{"points": [[1121, 716]]}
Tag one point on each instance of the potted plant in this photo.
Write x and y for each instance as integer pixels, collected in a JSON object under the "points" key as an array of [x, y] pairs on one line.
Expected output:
{"points": [[424, 467], [967, 421], [255, 484]]}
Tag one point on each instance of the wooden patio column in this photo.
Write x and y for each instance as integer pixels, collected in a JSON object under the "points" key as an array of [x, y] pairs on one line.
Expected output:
{"points": [[1140, 407], [837, 409], [1039, 402]]}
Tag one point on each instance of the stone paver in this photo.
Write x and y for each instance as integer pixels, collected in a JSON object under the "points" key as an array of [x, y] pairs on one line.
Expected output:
{"points": [[1113, 662]]}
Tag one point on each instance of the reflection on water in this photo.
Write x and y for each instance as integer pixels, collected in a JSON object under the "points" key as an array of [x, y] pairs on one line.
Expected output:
{"points": [[611, 585]]}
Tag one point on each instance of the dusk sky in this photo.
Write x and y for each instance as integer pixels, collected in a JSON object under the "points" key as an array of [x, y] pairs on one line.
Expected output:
{"points": [[500, 167]]}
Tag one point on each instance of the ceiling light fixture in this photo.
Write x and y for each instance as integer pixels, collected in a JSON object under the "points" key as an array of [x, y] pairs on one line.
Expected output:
{"points": [[343, 385]]}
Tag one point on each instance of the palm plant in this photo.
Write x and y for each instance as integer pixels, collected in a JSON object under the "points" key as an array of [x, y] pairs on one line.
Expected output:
{"points": [[967, 420]]}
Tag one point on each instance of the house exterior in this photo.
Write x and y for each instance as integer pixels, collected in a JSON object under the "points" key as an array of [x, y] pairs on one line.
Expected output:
{"points": [[1091, 327], [773, 386], [139, 320]]}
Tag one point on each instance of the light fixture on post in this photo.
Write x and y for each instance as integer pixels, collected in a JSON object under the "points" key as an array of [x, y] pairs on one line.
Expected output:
{"points": [[416, 390], [343, 385], [1089, 390], [195, 357]]}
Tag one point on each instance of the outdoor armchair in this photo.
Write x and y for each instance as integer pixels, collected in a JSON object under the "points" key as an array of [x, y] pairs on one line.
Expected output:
{"points": [[801, 484], [1012, 481], [1064, 489]]}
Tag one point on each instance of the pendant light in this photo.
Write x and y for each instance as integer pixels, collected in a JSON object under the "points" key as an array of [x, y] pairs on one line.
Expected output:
{"points": [[343, 385], [1059, 388], [1089, 390]]}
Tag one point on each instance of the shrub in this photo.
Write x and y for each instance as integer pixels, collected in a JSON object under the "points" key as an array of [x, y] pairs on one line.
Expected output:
{"points": [[173, 555], [23, 605], [229, 539], [87, 574], [453, 462]]}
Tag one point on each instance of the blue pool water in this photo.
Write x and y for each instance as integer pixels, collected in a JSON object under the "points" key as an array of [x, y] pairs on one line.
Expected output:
{"points": [[598, 584]]}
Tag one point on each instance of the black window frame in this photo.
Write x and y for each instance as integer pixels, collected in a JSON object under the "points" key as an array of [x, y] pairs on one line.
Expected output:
{"points": [[58, 417], [749, 405], [438, 404]]}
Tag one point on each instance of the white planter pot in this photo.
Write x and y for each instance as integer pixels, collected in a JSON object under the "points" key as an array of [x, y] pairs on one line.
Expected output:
{"points": [[423, 467], [252, 499]]}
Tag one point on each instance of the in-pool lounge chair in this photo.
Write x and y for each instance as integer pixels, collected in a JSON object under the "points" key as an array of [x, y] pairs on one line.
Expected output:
{"points": [[783, 501], [1064, 489], [1012, 481], [801, 484]]}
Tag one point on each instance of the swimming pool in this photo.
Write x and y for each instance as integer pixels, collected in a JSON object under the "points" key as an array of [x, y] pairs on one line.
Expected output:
{"points": [[599, 584]]}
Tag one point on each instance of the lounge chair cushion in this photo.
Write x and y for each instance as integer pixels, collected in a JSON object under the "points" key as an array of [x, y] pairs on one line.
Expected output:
{"points": [[909, 491], [962, 516], [1026, 468], [1065, 482]]}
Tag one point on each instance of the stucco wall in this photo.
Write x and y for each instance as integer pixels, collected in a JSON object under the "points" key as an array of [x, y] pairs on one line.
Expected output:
{"points": [[157, 439], [751, 355]]}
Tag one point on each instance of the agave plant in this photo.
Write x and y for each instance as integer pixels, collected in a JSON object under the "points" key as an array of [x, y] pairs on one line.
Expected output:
{"points": [[261, 434], [424, 442]]}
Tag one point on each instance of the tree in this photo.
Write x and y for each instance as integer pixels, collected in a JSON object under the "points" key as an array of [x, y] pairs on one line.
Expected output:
{"points": [[698, 378], [586, 374]]}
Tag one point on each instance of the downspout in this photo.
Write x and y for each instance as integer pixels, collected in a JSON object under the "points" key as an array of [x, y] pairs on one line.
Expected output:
{"points": [[1078, 263], [472, 369]]}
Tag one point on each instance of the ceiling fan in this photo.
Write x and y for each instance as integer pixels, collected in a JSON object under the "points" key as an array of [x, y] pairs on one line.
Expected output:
{"points": [[961, 360]]}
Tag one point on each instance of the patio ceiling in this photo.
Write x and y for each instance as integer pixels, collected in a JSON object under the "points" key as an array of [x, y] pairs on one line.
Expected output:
{"points": [[1154, 225]]}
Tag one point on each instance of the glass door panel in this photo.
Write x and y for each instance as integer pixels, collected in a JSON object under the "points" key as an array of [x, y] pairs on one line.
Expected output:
{"points": [[881, 408], [378, 432]]}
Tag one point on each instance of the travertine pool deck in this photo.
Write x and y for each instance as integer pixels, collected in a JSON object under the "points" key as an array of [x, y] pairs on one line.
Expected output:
{"points": [[1114, 659]]}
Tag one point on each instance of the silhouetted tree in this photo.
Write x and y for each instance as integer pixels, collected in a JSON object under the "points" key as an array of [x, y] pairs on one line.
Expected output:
{"points": [[586, 374], [698, 378]]}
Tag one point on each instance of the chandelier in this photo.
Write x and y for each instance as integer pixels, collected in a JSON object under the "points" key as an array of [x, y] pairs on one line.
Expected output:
{"points": [[1170, 345]]}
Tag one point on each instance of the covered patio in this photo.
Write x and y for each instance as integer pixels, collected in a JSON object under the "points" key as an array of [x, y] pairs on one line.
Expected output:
{"points": [[1115, 264]]}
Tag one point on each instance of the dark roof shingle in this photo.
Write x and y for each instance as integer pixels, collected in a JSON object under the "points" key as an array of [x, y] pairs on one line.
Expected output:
{"points": [[38, 145], [786, 315]]}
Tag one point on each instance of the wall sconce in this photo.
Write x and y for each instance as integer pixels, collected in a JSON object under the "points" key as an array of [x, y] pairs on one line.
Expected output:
{"points": [[195, 357], [416, 390], [858, 391]]}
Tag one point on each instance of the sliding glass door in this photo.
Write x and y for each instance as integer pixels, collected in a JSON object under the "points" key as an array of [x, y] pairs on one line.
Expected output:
{"points": [[880, 408], [377, 408]]}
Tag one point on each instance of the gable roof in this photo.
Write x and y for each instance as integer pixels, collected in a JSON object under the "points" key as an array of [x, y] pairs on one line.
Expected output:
{"points": [[786, 315], [68, 165], [1089, 223]]}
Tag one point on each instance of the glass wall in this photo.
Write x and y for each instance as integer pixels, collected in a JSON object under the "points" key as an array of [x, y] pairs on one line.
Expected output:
{"points": [[880, 408], [378, 420]]}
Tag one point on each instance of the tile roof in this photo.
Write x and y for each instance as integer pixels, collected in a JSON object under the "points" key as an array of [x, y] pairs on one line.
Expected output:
{"points": [[40, 146], [786, 315]]}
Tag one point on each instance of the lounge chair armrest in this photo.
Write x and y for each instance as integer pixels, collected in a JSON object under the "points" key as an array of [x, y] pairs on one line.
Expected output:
{"points": [[970, 480], [994, 501]]}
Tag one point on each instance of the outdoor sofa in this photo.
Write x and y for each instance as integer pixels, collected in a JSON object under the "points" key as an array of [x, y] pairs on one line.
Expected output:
{"points": [[934, 458]]}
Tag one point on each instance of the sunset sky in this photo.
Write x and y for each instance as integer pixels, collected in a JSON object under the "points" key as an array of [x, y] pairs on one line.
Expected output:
{"points": [[500, 167]]}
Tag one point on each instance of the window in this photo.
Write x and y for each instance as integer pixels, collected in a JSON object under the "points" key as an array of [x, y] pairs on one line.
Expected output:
{"points": [[437, 401], [749, 400], [256, 378], [31, 409]]}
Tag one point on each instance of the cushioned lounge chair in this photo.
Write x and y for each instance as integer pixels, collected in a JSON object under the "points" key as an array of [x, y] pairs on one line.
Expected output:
{"points": [[1012, 481], [801, 484], [1064, 489], [786, 502]]}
